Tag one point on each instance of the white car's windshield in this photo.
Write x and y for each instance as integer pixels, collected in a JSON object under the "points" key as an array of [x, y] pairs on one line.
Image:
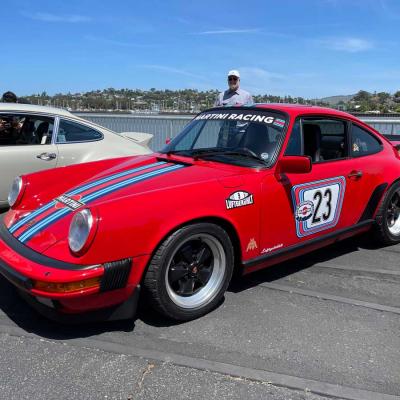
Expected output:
{"points": [[243, 136]]}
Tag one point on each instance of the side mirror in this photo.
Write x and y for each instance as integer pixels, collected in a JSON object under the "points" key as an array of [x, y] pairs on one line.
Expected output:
{"points": [[293, 165]]}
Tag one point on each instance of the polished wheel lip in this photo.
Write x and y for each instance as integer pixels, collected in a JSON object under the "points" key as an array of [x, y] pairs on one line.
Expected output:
{"points": [[393, 214], [208, 292]]}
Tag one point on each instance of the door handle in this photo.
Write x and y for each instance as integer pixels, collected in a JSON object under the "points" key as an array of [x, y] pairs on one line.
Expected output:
{"points": [[355, 174], [47, 156]]}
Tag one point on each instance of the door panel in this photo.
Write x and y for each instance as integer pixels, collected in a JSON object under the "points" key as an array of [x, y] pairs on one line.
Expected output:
{"points": [[304, 206], [26, 147], [333, 196]]}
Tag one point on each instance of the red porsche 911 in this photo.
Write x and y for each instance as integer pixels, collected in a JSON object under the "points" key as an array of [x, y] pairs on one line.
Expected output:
{"points": [[239, 188]]}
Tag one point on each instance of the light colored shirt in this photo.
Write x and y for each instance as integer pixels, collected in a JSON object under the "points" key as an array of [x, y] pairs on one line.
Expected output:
{"points": [[233, 98]]}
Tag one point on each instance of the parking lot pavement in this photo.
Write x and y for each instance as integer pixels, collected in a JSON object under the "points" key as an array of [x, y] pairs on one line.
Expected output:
{"points": [[326, 324], [42, 369]]}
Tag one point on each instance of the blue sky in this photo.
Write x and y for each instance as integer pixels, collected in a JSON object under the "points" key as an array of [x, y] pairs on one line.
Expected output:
{"points": [[309, 48]]}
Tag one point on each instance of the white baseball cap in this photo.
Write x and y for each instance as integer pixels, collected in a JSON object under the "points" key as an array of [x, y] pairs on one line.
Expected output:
{"points": [[234, 72]]}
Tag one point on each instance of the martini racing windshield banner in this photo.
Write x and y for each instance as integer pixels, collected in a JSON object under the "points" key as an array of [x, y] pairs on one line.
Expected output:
{"points": [[267, 118]]}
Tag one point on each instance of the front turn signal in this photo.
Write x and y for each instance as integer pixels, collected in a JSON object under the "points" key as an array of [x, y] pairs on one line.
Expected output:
{"points": [[67, 287]]}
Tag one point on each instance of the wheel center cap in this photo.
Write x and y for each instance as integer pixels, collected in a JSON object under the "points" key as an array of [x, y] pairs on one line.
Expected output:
{"points": [[194, 270]]}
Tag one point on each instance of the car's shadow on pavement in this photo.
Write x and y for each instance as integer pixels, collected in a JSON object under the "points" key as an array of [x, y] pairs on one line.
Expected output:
{"points": [[25, 317], [325, 254], [18, 311]]}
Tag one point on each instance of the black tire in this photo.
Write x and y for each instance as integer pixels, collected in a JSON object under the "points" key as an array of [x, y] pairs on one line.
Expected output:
{"points": [[386, 232], [200, 241]]}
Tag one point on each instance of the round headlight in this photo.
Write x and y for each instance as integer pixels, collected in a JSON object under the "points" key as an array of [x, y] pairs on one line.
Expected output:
{"points": [[16, 191], [80, 230]]}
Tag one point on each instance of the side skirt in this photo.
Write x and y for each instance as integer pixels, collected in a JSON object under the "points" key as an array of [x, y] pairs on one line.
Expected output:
{"points": [[304, 247]]}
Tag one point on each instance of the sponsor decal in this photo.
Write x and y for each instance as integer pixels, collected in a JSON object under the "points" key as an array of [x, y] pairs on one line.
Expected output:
{"points": [[269, 249], [72, 203], [246, 117], [318, 205], [280, 123], [304, 211], [252, 245], [31, 222], [239, 199]]}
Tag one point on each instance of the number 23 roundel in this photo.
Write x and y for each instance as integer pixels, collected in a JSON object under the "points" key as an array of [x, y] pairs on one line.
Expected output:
{"points": [[317, 205]]}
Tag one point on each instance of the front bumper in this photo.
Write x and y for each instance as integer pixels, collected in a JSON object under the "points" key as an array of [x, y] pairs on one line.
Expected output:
{"points": [[125, 310], [114, 298]]}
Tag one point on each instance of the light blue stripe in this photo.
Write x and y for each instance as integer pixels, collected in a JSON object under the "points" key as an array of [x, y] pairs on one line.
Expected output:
{"points": [[43, 223], [82, 189], [31, 216], [119, 185], [110, 178], [47, 221]]}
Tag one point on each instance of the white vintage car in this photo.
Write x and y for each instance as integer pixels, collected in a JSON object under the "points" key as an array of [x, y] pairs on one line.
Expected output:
{"points": [[33, 138]]}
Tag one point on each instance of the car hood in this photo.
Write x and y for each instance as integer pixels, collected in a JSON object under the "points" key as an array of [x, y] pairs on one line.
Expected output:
{"points": [[42, 227]]}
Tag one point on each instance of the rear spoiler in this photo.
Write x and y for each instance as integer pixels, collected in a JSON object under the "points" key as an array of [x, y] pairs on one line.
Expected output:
{"points": [[140, 138]]}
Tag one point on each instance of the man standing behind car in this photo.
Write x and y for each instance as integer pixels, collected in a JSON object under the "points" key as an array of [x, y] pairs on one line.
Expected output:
{"points": [[233, 96]]}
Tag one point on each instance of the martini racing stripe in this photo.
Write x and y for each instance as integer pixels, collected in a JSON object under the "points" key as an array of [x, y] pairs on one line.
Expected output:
{"points": [[93, 196], [81, 189], [115, 176], [48, 213]]}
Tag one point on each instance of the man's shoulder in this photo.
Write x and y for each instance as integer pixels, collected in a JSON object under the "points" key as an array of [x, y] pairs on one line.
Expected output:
{"points": [[243, 92]]}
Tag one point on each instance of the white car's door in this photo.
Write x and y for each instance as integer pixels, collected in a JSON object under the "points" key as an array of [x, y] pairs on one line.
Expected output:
{"points": [[25, 146]]}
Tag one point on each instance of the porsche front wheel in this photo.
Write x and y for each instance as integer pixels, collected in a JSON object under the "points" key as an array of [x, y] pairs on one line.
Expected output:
{"points": [[190, 271]]}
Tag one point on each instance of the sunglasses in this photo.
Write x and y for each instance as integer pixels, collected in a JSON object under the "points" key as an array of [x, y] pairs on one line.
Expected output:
{"points": [[232, 78]]}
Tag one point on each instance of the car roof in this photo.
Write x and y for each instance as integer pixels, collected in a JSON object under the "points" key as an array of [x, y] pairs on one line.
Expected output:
{"points": [[297, 109], [34, 108]]}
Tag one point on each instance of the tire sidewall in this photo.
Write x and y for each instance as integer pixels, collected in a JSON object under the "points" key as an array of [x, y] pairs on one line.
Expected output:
{"points": [[387, 236], [173, 243]]}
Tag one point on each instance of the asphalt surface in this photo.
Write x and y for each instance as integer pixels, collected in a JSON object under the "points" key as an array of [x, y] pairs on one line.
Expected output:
{"points": [[324, 325]]}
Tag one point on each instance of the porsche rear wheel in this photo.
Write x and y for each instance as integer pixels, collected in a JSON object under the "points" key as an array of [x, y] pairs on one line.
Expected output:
{"points": [[190, 271], [388, 216]]}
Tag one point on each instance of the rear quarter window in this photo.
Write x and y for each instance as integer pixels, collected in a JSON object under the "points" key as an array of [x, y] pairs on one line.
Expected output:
{"points": [[363, 143]]}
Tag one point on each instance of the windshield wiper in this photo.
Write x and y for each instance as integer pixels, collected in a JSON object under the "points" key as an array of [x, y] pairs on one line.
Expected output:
{"points": [[192, 153], [241, 152]]}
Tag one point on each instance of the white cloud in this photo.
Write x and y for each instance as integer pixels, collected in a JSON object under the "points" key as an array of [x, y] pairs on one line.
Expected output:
{"points": [[258, 80], [47, 17], [173, 70], [347, 44], [116, 42], [228, 31]]}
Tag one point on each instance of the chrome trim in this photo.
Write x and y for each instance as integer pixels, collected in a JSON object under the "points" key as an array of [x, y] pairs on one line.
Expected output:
{"points": [[55, 129]]}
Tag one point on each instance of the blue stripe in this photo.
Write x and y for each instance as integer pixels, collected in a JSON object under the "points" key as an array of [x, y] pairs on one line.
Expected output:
{"points": [[110, 178], [81, 189], [31, 216], [122, 184], [44, 222], [86, 199]]}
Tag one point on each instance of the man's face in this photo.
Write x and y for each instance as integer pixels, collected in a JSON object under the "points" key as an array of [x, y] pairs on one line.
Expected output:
{"points": [[233, 82]]}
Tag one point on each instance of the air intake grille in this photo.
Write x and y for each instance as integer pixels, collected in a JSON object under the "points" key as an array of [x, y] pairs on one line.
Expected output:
{"points": [[116, 275]]}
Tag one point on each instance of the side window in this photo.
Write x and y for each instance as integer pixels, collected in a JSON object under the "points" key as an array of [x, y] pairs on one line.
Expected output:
{"points": [[363, 143], [24, 129], [294, 145], [73, 132], [324, 139]]}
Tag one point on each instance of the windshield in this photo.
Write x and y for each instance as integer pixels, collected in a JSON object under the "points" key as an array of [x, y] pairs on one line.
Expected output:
{"points": [[246, 137]]}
